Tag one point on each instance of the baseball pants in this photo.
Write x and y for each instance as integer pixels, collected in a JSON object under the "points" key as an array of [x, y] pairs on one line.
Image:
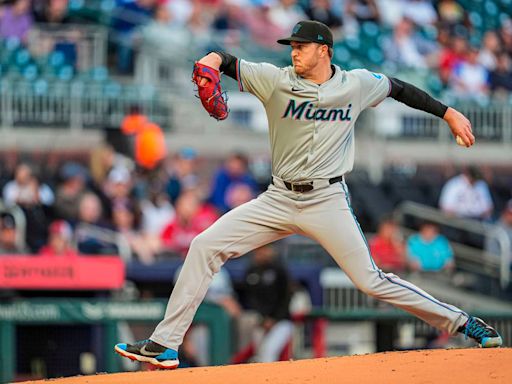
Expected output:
{"points": [[324, 215]]}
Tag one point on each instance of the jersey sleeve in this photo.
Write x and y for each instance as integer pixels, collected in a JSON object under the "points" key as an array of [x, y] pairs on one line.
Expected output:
{"points": [[260, 79], [374, 87]]}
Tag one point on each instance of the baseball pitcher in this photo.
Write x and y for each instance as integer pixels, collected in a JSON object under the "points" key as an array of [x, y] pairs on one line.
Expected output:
{"points": [[311, 107]]}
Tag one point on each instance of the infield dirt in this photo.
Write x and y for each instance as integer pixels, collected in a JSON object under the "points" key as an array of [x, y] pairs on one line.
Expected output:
{"points": [[465, 366]]}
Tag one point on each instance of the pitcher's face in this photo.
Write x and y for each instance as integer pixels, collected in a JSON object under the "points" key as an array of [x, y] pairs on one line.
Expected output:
{"points": [[306, 56]]}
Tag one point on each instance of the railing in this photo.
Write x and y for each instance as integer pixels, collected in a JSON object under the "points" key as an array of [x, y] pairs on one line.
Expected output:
{"points": [[492, 122], [78, 104], [469, 258], [90, 41], [86, 231]]}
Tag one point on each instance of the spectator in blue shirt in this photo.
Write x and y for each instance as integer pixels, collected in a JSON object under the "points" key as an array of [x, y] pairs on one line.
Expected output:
{"points": [[234, 171], [127, 16], [429, 251]]}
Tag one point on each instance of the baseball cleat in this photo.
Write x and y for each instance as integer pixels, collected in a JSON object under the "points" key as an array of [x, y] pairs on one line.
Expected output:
{"points": [[148, 351], [482, 333]]}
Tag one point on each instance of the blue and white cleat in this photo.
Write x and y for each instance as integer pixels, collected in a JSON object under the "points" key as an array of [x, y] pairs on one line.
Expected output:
{"points": [[482, 333], [148, 351]]}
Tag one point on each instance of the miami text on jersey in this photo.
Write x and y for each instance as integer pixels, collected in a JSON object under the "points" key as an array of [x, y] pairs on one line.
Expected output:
{"points": [[307, 110]]}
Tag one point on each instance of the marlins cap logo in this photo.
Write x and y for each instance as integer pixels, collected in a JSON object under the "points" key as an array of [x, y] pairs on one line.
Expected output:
{"points": [[296, 28]]}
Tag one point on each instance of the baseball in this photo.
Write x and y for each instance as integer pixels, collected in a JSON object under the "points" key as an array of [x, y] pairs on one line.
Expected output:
{"points": [[459, 141]]}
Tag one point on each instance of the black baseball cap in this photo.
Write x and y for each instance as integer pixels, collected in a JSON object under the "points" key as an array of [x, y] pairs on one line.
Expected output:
{"points": [[309, 31]]}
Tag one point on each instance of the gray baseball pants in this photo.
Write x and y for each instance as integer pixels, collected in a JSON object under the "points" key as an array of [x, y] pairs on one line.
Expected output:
{"points": [[323, 214]]}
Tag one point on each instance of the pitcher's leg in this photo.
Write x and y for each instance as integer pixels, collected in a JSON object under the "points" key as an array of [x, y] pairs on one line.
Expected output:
{"points": [[245, 228], [338, 232]]}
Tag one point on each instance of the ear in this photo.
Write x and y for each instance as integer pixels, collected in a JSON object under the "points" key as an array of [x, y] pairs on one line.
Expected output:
{"points": [[324, 50]]}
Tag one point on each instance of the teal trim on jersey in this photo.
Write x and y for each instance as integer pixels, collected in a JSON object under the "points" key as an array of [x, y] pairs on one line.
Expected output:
{"points": [[383, 276]]}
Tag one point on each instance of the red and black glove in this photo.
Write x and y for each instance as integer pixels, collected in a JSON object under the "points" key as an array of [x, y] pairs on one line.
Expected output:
{"points": [[211, 95]]}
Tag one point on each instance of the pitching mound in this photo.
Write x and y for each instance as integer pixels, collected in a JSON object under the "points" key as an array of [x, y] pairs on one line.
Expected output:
{"points": [[433, 366]]}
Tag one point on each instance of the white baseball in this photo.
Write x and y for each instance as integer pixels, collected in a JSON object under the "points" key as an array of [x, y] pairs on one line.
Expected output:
{"points": [[459, 141]]}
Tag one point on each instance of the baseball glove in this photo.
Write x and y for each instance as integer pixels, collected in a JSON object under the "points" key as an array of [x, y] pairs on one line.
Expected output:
{"points": [[211, 95]]}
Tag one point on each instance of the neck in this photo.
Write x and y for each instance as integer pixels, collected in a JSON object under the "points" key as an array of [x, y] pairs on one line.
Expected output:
{"points": [[320, 74]]}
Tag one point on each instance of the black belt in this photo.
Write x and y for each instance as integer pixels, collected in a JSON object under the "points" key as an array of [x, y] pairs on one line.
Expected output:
{"points": [[306, 186]]}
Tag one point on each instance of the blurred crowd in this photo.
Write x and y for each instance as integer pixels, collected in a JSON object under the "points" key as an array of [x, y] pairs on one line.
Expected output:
{"points": [[469, 54], [142, 205], [145, 204]]}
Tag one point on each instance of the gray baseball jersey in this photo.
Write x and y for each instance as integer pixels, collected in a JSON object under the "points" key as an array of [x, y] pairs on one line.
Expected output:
{"points": [[311, 126], [312, 137]]}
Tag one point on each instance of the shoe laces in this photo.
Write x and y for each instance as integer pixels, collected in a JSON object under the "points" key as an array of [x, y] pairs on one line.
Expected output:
{"points": [[475, 329]]}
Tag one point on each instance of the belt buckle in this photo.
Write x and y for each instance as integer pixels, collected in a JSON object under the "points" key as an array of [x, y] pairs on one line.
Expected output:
{"points": [[302, 186]]}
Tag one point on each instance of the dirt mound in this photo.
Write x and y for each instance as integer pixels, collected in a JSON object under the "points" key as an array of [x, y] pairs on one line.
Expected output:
{"points": [[430, 366]]}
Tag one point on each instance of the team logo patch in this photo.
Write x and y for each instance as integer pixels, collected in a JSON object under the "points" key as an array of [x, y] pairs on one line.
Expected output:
{"points": [[320, 37], [296, 28]]}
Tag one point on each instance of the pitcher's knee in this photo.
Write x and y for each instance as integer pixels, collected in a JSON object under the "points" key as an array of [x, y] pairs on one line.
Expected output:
{"points": [[199, 243], [204, 248]]}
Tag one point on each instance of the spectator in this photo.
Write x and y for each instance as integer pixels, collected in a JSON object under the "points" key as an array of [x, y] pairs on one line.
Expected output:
{"points": [[405, 47], [453, 54], [267, 289], [286, 13], [500, 79], [451, 13], [505, 223], [467, 196], [387, 248], [25, 190], [165, 30], [230, 18], [238, 194], [102, 160], [429, 251], [59, 241], [70, 191], [421, 12], [180, 12], [150, 147], [149, 141], [134, 121], [52, 12], [35, 199], [156, 211], [90, 210], [192, 218], [16, 20], [490, 49], [126, 18], [470, 78], [182, 172], [235, 170], [320, 10], [8, 237], [118, 187], [363, 10], [92, 234], [264, 31], [126, 222], [505, 33]]}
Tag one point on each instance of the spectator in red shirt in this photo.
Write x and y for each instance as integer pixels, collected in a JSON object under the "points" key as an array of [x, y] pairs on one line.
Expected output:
{"points": [[59, 240], [387, 247], [192, 218], [451, 56]]}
